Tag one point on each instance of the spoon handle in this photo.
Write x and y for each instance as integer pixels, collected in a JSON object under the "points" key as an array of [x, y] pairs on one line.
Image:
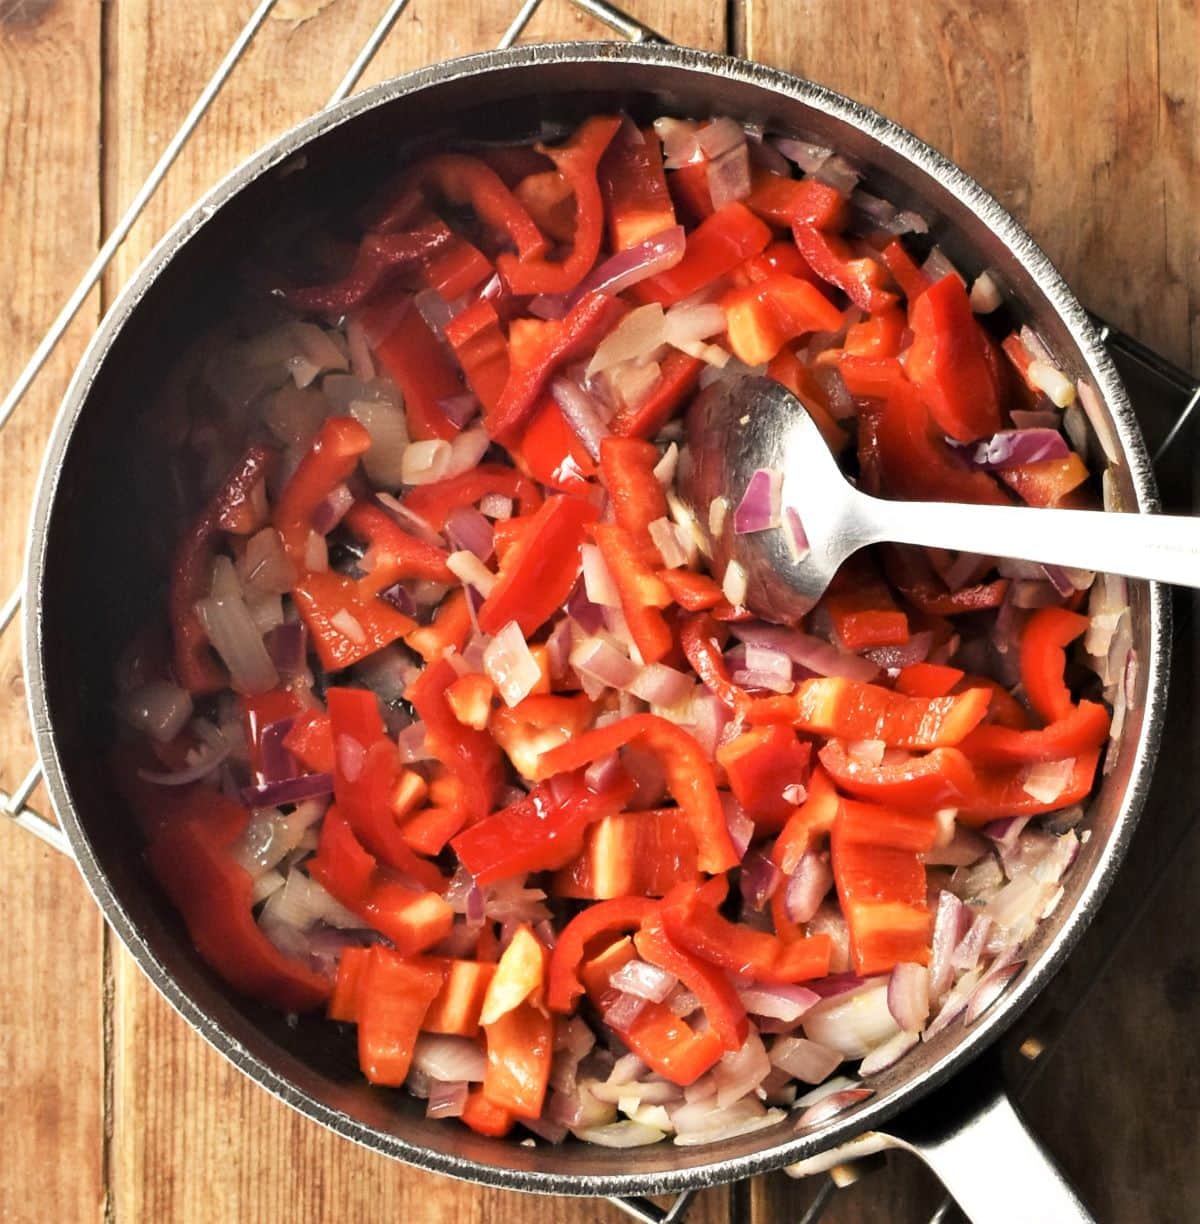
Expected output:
{"points": [[1165, 548]]}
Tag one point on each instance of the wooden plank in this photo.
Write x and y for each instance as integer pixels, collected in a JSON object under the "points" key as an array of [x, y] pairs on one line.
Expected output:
{"points": [[51, 1048], [192, 1138]]}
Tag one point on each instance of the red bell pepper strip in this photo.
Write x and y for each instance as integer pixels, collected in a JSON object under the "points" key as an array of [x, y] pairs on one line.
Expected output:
{"points": [[928, 680], [333, 455], [1005, 710], [1048, 482], [310, 741], [638, 854], [451, 627], [541, 831], [881, 884], [725, 1011], [540, 722], [812, 819], [833, 260], [549, 200], [537, 575], [862, 609], [641, 591], [689, 777], [394, 996], [636, 200], [880, 335], [435, 502], [191, 857], [941, 778], [1000, 791], [1044, 659], [663, 1041], [418, 363], [688, 186], [948, 362], [561, 340], [196, 667], [787, 368], [605, 918], [760, 764], [778, 257], [679, 377], [343, 1003], [456, 268], [762, 317], [849, 709], [485, 1118], [714, 248], [788, 201], [696, 925], [627, 469], [520, 1050], [469, 755], [552, 452], [1081, 730], [341, 864], [394, 554], [692, 591], [482, 351], [461, 179], [909, 571], [455, 1011], [904, 269], [325, 600], [380, 256], [577, 161]]}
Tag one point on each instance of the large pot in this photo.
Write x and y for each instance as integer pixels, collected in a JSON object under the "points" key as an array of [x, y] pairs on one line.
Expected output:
{"points": [[94, 574]]}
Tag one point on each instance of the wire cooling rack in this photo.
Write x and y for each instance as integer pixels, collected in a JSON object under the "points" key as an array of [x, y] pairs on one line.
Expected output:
{"points": [[1167, 400]]}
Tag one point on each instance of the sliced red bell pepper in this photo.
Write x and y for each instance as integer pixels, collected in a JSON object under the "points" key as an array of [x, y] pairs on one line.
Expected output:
{"points": [[341, 864], [1080, 731], [880, 881], [696, 925], [627, 469], [880, 335], [520, 1050], [605, 918], [1046, 483], [462, 180], [325, 600], [688, 186], [812, 819], [1046, 635], [485, 1118], [549, 200], [927, 679], [948, 362], [762, 317], [394, 996], [849, 709], [641, 591], [541, 831], [333, 455], [196, 666], [787, 368], [788, 201], [714, 248], [904, 269], [435, 502], [833, 260], [343, 1003], [310, 741], [537, 575], [636, 200], [718, 998], [469, 755], [455, 1010], [637, 854], [1000, 791], [862, 609], [680, 374], [663, 1041], [537, 724], [941, 778], [910, 572], [778, 257], [394, 554], [449, 630], [692, 591], [1005, 710], [577, 161], [760, 764], [552, 452], [192, 858], [455, 268], [479, 344], [689, 777], [418, 363], [561, 340]]}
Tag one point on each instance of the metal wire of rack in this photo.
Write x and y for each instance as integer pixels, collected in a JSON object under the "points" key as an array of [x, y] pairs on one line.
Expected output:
{"points": [[1176, 393]]}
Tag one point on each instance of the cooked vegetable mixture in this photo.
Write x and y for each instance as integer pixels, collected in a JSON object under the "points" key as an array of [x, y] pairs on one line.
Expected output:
{"points": [[459, 739]]}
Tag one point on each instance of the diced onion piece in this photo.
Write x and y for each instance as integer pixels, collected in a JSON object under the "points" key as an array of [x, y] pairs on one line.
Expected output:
{"points": [[728, 176], [1052, 381], [1046, 780], [740, 1072], [388, 427], [807, 1060], [664, 469], [718, 508], [449, 1059], [759, 508], [719, 136], [665, 537], [680, 141], [734, 584], [235, 637], [787, 1003], [661, 685], [598, 583], [448, 1100], [637, 335], [496, 506], [470, 571], [582, 413], [985, 294], [888, 1054], [158, 709], [467, 449], [908, 996], [658, 253], [830, 1106], [625, 1134], [467, 528], [807, 886], [508, 662], [598, 659], [854, 1022], [425, 462], [636, 977], [795, 536]]}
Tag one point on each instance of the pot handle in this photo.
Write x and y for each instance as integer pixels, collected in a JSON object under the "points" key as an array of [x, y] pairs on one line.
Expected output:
{"points": [[965, 1132]]}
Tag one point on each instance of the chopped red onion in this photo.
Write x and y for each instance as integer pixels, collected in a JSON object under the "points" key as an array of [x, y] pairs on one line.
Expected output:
{"points": [[759, 508], [837, 395], [414, 524], [808, 1061], [777, 1001], [888, 1054], [201, 767], [710, 715], [512, 668], [966, 955], [586, 614], [1005, 832], [236, 638], [994, 983], [811, 653], [854, 1022], [949, 925], [622, 1011], [644, 981], [807, 887], [400, 597], [287, 645], [1015, 447], [964, 848], [728, 176], [1046, 780], [582, 412], [985, 294], [661, 685], [447, 1100], [460, 409], [288, 790], [830, 1106], [411, 742], [938, 266], [758, 880], [603, 772], [550, 306], [809, 157], [467, 529], [794, 535], [605, 664], [658, 253], [954, 1005], [332, 509], [598, 583], [741, 827], [666, 538], [158, 709]]}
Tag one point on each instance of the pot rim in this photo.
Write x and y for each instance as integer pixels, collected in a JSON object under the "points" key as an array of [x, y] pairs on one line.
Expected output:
{"points": [[870, 1115]]}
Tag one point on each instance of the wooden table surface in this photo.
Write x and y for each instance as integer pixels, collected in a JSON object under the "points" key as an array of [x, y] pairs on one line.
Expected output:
{"points": [[1082, 119]]}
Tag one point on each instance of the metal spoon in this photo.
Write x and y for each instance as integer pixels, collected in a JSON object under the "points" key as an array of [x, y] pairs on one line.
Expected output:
{"points": [[735, 428]]}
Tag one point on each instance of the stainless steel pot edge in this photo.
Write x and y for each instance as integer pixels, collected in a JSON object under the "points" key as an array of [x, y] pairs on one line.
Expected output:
{"points": [[872, 1114]]}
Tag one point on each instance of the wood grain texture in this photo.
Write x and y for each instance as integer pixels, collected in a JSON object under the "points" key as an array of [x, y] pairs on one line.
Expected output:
{"points": [[51, 1065]]}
